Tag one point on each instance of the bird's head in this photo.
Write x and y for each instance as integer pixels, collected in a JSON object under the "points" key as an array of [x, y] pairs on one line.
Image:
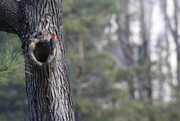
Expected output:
{"points": [[54, 36]]}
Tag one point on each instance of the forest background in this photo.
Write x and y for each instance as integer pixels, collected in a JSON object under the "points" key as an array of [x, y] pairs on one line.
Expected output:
{"points": [[123, 57]]}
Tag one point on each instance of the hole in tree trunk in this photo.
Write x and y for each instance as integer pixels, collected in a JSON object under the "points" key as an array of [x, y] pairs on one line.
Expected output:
{"points": [[41, 52]]}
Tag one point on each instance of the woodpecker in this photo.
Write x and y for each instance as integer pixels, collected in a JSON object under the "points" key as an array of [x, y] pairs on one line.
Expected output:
{"points": [[53, 42]]}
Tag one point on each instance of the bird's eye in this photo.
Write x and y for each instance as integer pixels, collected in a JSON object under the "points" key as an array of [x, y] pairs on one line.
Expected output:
{"points": [[40, 33]]}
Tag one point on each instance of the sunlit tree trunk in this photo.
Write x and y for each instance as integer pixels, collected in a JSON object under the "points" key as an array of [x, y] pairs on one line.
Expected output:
{"points": [[144, 53], [145, 82], [173, 27]]}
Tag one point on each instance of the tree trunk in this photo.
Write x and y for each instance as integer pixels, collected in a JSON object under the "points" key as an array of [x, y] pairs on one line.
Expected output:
{"points": [[173, 26], [145, 83], [124, 33], [47, 84]]}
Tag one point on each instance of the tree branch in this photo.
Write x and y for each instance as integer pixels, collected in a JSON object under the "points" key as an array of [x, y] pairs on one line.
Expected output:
{"points": [[10, 15], [4, 26]]}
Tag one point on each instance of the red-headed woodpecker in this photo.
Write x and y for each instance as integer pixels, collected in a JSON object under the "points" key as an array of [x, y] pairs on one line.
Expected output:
{"points": [[53, 42]]}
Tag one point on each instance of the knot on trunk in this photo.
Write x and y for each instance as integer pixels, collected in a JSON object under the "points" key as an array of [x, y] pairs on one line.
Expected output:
{"points": [[41, 50]]}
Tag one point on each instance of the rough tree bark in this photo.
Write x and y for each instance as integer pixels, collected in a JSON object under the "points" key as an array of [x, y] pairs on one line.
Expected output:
{"points": [[47, 84]]}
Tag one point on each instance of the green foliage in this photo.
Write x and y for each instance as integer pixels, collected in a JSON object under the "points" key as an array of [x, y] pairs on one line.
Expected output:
{"points": [[11, 63], [12, 88], [13, 101], [125, 74], [140, 72], [86, 17], [168, 112]]}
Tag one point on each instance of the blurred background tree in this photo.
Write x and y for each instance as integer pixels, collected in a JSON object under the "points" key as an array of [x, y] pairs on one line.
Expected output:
{"points": [[122, 63]]}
